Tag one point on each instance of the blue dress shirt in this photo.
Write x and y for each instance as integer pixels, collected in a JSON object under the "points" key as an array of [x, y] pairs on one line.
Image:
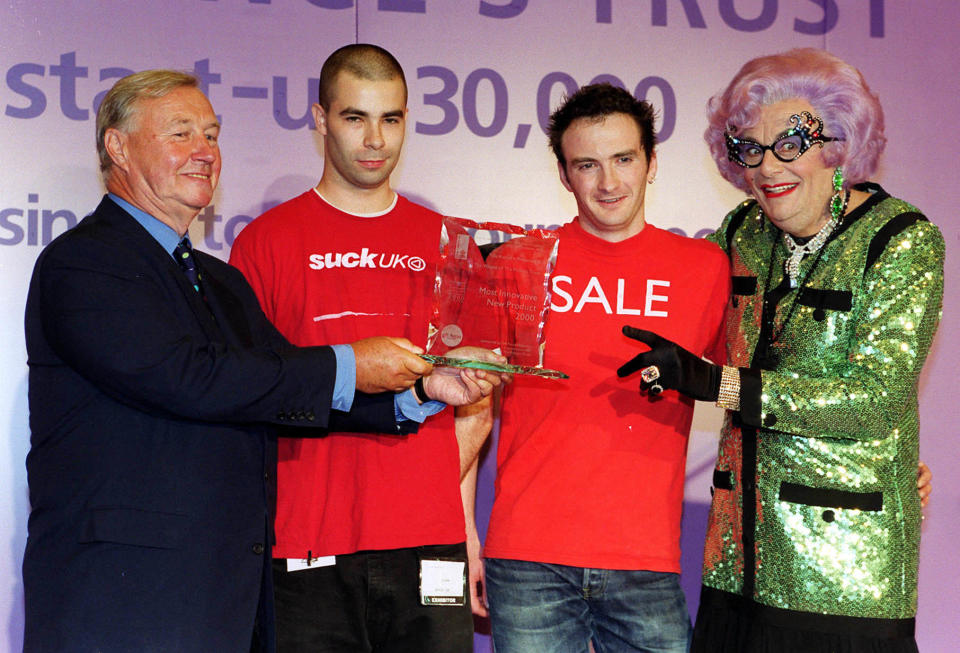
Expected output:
{"points": [[405, 403]]}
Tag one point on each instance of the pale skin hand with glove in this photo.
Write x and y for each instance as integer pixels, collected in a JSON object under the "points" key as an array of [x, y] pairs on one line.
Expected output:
{"points": [[676, 368], [681, 370]]}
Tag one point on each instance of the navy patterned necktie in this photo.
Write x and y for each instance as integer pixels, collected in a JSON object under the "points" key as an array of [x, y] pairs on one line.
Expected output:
{"points": [[184, 255]]}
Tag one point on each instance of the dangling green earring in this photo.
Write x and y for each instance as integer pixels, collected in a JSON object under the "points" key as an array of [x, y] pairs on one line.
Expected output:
{"points": [[839, 200], [838, 179]]}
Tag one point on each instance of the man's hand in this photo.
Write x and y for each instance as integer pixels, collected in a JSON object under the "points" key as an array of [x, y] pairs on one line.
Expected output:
{"points": [[475, 576], [387, 364], [458, 387], [924, 483]]}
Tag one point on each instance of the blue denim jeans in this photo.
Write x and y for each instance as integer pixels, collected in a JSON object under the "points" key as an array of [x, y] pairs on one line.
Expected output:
{"points": [[558, 609]]}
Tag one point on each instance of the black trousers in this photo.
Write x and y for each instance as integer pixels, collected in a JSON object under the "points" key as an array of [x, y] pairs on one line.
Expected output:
{"points": [[368, 602]]}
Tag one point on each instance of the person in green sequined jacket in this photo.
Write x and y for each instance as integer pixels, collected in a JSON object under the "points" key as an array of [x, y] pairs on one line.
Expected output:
{"points": [[815, 523]]}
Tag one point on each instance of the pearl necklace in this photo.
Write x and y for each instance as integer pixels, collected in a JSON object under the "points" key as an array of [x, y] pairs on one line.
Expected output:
{"points": [[798, 251]]}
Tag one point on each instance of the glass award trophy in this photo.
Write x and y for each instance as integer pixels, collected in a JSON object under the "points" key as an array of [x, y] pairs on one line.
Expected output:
{"points": [[492, 290]]}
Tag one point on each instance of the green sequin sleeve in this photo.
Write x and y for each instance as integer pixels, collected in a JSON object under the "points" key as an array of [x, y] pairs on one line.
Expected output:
{"points": [[718, 237], [865, 379]]}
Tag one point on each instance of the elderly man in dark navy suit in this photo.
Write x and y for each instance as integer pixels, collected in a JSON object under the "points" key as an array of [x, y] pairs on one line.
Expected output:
{"points": [[155, 386]]}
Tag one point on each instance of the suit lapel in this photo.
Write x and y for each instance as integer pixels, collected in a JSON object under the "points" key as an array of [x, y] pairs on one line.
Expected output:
{"points": [[136, 238], [226, 307]]}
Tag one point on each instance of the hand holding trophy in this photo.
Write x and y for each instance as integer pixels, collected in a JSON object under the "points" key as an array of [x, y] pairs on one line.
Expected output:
{"points": [[495, 296]]}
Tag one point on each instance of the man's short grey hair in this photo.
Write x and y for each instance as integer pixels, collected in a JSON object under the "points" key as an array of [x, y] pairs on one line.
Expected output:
{"points": [[119, 106]]}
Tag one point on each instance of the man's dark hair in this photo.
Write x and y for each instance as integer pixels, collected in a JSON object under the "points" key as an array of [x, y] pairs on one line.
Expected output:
{"points": [[363, 60], [596, 102]]}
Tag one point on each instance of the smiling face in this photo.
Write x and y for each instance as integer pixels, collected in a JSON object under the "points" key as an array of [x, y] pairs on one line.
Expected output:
{"points": [[794, 196], [167, 161], [362, 133], [607, 171]]}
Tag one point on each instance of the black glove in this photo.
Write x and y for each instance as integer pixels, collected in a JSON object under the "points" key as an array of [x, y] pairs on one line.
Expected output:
{"points": [[679, 369]]}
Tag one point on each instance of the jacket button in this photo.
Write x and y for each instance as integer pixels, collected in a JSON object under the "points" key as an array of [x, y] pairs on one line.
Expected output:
{"points": [[769, 420], [281, 416], [310, 416], [258, 549]]}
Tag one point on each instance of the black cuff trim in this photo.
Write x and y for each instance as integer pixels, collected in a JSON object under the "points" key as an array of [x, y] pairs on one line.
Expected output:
{"points": [[830, 498], [751, 386]]}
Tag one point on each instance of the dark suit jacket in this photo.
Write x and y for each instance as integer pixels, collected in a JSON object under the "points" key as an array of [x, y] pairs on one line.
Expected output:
{"points": [[151, 467]]}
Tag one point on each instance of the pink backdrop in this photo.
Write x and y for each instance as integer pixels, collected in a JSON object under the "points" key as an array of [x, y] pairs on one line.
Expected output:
{"points": [[482, 76]]}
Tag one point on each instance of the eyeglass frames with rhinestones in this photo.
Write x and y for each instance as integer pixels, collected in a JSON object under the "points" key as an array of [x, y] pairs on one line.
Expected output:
{"points": [[806, 132]]}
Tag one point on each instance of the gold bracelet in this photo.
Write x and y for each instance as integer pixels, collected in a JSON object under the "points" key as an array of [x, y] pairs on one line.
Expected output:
{"points": [[729, 396]]}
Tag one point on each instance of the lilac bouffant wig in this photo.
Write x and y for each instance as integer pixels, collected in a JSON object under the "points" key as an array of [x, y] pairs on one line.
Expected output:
{"points": [[836, 90]]}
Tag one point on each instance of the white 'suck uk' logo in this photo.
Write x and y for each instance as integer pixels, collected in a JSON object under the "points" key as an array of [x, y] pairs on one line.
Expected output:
{"points": [[366, 259]]}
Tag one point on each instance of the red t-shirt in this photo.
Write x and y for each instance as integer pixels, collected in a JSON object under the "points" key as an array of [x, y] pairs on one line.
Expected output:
{"points": [[324, 276], [590, 473]]}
